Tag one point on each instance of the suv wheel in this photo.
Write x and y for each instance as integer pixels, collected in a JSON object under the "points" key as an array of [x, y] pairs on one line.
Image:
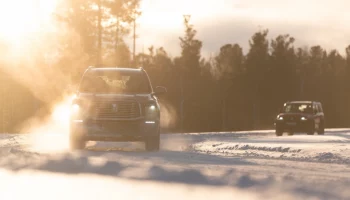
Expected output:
{"points": [[312, 129], [152, 143], [321, 129], [76, 143], [279, 132]]}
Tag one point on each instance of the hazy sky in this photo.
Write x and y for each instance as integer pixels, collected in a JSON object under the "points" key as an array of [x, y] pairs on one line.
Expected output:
{"points": [[218, 22]]}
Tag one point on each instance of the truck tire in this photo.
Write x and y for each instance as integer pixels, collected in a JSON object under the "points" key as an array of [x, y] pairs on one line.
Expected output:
{"points": [[76, 142], [152, 143]]}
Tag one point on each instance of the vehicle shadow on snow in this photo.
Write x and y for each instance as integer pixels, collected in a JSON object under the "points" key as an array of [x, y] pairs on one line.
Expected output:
{"points": [[149, 166], [167, 156], [152, 172], [170, 152]]}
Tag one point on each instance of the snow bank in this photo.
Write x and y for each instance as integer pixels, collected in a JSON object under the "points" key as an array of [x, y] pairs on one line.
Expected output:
{"points": [[329, 149]]}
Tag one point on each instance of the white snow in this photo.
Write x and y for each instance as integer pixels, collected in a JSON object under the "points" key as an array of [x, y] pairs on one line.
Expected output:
{"points": [[333, 148], [34, 185], [242, 165]]}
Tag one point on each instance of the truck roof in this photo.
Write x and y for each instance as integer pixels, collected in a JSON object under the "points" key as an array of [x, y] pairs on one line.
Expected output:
{"points": [[115, 69], [97, 70]]}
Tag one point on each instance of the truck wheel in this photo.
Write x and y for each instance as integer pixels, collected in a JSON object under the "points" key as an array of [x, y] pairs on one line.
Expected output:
{"points": [[76, 142], [311, 132], [152, 143]]}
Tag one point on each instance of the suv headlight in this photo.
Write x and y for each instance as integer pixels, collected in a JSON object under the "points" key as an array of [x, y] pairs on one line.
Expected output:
{"points": [[280, 118], [303, 118]]}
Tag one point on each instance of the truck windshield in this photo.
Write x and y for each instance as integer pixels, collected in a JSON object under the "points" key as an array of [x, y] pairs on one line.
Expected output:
{"points": [[115, 82], [297, 108]]}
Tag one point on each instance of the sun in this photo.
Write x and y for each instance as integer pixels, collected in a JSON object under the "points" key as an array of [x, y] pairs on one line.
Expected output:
{"points": [[20, 19]]}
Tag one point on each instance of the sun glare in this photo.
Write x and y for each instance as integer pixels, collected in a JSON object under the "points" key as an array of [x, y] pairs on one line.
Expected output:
{"points": [[61, 113], [22, 18]]}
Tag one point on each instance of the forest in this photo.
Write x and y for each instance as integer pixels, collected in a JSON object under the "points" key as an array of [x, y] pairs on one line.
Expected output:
{"points": [[229, 91]]}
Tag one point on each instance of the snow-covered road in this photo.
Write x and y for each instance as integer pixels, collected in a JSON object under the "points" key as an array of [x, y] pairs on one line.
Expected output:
{"points": [[241, 165]]}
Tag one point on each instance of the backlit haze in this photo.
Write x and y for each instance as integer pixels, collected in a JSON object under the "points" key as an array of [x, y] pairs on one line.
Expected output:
{"points": [[28, 29]]}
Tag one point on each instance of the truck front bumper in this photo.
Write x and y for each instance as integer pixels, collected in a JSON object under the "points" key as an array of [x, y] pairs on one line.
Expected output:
{"points": [[114, 130]]}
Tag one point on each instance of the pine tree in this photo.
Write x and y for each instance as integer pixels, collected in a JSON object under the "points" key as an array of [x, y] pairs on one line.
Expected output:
{"points": [[229, 66], [257, 65], [189, 65], [282, 75]]}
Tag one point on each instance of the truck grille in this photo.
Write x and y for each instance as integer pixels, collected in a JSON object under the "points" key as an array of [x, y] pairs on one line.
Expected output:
{"points": [[109, 109], [124, 127]]}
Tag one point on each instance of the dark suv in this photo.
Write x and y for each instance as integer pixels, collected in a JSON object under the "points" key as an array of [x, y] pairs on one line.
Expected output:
{"points": [[300, 116], [115, 104]]}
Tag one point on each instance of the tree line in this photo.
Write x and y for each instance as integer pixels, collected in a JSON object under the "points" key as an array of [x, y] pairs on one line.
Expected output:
{"points": [[230, 91]]}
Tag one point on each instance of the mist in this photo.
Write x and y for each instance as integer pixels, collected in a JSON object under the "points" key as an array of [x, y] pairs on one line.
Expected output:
{"points": [[168, 114], [37, 59]]}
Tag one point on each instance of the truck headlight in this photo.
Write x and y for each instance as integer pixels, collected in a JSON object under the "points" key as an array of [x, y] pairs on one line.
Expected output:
{"points": [[75, 108], [152, 108], [151, 112], [76, 112], [280, 118]]}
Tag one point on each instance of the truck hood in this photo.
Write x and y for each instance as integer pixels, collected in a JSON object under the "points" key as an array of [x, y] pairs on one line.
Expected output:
{"points": [[118, 97]]}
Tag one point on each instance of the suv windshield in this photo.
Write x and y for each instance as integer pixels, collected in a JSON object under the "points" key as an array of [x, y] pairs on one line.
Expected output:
{"points": [[298, 108], [115, 82]]}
